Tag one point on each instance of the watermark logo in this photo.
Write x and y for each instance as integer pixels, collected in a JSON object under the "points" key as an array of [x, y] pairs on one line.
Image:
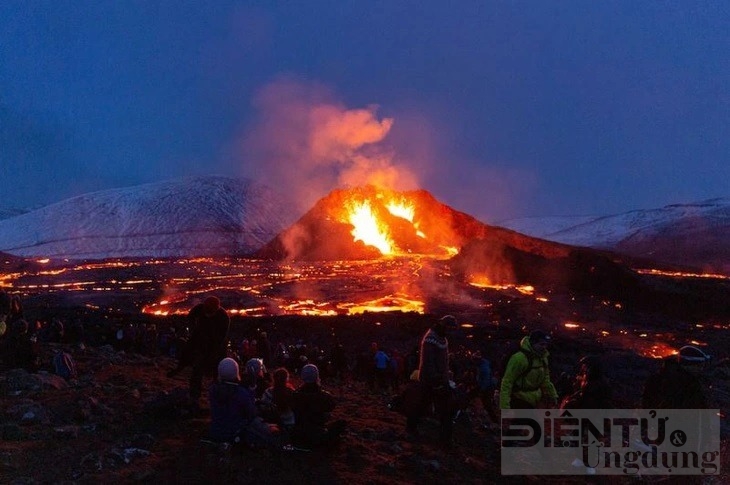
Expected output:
{"points": [[611, 442]]}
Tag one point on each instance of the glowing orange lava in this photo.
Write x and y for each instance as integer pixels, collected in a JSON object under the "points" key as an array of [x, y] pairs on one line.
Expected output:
{"points": [[368, 229], [484, 282]]}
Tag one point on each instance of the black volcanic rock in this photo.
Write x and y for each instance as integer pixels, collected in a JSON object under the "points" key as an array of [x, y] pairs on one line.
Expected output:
{"points": [[696, 242], [578, 270]]}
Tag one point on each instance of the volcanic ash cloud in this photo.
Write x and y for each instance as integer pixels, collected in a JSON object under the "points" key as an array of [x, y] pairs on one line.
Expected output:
{"points": [[306, 143]]}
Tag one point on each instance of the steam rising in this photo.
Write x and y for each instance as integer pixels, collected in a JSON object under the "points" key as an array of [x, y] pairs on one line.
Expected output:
{"points": [[306, 143]]}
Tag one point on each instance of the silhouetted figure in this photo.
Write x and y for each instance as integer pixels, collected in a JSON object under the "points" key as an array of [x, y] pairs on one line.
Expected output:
{"points": [[4, 314], [677, 384], [277, 400], [381, 362], [312, 406], [339, 362], [485, 385], [19, 349], [263, 348], [207, 343], [433, 375], [256, 377]]}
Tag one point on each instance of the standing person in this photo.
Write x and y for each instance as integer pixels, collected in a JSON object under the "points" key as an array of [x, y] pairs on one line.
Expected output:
{"points": [[485, 384], [526, 381], [381, 361], [433, 374], [338, 358], [263, 348], [396, 369], [207, 343]]}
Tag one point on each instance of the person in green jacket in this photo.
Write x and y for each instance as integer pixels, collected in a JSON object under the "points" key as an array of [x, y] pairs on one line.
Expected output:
{"points": [[526, 380]]}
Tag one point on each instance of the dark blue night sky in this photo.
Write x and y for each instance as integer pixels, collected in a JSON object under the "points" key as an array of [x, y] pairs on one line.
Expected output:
{"points": [[501, 109]]}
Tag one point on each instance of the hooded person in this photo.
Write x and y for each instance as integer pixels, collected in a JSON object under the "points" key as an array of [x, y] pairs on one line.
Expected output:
{"points": [[526, 381], [233, 412]]}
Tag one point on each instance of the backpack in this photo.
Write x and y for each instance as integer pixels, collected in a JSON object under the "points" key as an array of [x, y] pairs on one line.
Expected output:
{"points": [[508, 355], [64, 365]]}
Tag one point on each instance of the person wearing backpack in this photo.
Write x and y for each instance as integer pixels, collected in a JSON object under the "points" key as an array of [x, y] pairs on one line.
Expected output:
{"points": [[526, 381]]}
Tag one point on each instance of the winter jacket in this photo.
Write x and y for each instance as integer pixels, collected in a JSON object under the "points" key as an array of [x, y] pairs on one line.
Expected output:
{"points": [[433, 369], [208, 340], [381, 360], [232, 409], [280, 402], [485, 380], [311, 405], [673, 387], [526, 377]]}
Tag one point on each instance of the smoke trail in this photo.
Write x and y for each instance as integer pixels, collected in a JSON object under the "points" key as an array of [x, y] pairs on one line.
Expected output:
{"points": [[306, 143]]}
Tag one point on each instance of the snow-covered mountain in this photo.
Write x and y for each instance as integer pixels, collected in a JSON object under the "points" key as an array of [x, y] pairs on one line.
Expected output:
{"points": [[204, 216], [182, 217], [7, 213], [696, 234]]}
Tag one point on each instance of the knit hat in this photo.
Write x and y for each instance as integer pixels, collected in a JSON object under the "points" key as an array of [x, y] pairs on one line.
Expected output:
{"points": [[255, 367], [538, 336], [310, 374], [212, 303], [449, 321], [228, 370], [689, 354]]}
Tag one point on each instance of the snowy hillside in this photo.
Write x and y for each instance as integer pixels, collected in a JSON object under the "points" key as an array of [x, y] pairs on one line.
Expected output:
{"points": [[690, 234], [183, 217]]}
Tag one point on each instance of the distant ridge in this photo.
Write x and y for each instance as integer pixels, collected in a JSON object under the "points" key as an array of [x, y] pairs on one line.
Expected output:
{"points": [[693, 235], [191, 216]]}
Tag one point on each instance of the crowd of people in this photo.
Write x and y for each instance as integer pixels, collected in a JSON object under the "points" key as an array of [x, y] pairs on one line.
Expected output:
{"points": [[253, 399]]}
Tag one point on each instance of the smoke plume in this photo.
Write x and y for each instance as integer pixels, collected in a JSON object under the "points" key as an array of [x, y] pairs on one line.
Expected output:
{"points": [[307, 143]]}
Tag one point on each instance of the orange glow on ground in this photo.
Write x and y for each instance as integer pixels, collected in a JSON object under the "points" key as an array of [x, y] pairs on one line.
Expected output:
{"points": [[679, 274], [483, 282]]}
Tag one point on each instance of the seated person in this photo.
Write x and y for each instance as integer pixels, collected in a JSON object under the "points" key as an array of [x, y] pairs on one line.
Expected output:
{"points": [[277, 400], [233, 409], [312, 406], [257, 371]]}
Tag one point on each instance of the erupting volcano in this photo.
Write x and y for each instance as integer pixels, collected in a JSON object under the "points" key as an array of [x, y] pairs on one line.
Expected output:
{"points": [[372, 222]]}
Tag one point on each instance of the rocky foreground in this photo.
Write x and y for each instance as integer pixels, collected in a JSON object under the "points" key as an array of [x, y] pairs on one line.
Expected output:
{"points": [[123, 421]]}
